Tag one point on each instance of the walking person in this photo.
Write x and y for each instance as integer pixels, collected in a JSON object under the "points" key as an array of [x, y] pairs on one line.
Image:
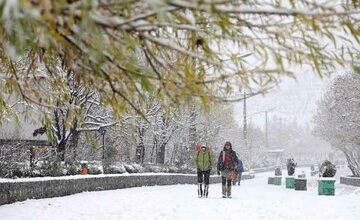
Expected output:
{"points": [[203, 161], [240, 170], [226, 166]]}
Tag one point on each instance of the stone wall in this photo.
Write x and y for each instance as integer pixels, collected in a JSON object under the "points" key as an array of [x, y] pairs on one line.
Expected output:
{"points": [[13, 191], [354, 181]]}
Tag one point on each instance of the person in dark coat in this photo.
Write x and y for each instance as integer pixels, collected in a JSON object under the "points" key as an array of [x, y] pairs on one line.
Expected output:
{"points": [[240, 170], [226, 166]]}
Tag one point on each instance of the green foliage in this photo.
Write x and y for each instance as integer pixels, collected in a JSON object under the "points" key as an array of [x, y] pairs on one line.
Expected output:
{"points": [[110, 155], [73, 169], [93, 170], [51, 168], [179, 51]]}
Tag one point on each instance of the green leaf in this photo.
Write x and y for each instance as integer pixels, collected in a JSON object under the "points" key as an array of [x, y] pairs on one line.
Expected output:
{"points": [[146, 84]]}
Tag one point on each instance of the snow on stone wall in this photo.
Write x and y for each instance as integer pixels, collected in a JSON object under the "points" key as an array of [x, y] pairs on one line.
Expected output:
{"points": [[37, 188], [354, 181]]}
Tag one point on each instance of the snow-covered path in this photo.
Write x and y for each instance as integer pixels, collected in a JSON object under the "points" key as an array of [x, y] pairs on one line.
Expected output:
{"points": [[254, 199]]}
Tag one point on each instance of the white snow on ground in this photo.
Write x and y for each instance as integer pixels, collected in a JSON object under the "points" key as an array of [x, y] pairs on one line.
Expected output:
{"points": [[254, 199]]}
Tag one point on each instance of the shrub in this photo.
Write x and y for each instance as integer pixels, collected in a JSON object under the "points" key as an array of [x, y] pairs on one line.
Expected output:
{"points": [[327, 169], [115, 169], [129, 168], [95, 167]]}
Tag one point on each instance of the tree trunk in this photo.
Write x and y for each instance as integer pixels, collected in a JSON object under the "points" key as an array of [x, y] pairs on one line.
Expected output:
{"points": [[154, 149], [353, 165], [72, 146], [160, 158], [173, 154], [60, 150], [192, 129], [140, 148], [32, 157]]}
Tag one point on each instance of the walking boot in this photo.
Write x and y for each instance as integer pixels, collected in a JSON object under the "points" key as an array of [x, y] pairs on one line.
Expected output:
{"points": [[228, 193], [200, 190], [224, 191], [206, 191]]}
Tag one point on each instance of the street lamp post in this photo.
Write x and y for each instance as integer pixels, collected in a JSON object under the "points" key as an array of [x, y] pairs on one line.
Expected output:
{"points": [[266, 131], [266, 128], [266, 112], [245, 122], [102, 132]]}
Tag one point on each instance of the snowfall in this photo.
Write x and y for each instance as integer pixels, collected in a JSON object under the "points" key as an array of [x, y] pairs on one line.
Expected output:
{"points": [[254, 199]]}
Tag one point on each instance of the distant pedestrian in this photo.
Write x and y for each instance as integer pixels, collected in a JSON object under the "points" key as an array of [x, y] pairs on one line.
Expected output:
{"points": [[240, 170], [226, 166]]}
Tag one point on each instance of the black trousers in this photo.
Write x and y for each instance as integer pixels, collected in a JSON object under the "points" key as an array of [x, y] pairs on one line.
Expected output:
{"points": [[203, 176], [239, 178], [224, 181]]}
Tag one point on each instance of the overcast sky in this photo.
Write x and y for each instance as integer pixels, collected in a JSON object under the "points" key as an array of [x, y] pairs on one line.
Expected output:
{"points": [[291, 100]]}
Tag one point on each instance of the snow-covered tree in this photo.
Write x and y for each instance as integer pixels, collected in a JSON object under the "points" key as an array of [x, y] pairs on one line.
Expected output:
{"points": [[338, 118], [181, 50]]}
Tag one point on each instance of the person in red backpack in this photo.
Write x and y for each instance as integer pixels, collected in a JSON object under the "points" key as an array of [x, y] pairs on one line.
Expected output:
{"points": [[203, 162], [226, 166]]}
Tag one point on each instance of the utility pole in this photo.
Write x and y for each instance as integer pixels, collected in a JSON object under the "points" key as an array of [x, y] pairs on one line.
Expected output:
{"points": [[102, 132], [266, 131], [245, 122], [267, 127]]}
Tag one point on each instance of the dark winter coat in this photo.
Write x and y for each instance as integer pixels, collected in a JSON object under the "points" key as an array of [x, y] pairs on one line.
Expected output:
{"points": [[227, 160], [240, 167]]}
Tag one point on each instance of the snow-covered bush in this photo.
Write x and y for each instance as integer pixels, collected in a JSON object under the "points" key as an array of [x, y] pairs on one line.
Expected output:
{"points": [[327, 169], [129, 168], [152, 168], [155, 168], [95, 167], [138, 168], [11, 155], [20, 170], [73, 169], [94, 170], [115, 169], [51, 168], [187, 169], [173, 169]]}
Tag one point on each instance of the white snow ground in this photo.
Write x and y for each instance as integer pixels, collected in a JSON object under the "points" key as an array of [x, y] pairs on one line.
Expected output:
{"points": [[254, 199]]}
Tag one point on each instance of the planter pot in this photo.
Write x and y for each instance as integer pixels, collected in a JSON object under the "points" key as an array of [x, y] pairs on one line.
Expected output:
{"points": [[270, 180], [300, 184], [84, 171], [277, 180], [326, 186], [290, 182]]}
